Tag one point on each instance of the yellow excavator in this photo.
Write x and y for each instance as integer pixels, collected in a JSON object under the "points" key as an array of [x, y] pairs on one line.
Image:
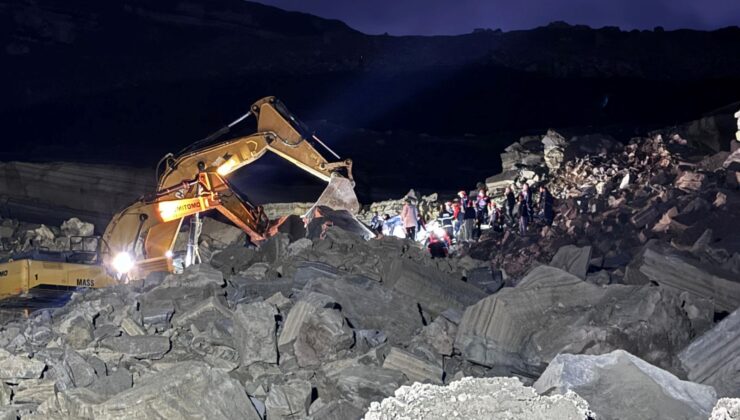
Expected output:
{"points": [[140, 239]]}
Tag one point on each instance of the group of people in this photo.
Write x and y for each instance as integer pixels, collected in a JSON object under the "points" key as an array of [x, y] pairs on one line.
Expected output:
{"points": [[464, 217], [521, 209], [410, 220]]}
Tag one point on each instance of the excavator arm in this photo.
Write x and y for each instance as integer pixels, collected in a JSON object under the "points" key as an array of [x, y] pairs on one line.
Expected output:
{"points": [[278, 131], [197, 181]]}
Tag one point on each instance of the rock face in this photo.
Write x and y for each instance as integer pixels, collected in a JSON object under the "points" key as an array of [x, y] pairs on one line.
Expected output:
{"points": [[551, 311], [478, 399], [54, 192], [714, 358], [618, 383]]}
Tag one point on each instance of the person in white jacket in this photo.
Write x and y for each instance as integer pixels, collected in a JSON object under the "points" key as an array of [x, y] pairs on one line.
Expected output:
{"points": [[410, 216]]}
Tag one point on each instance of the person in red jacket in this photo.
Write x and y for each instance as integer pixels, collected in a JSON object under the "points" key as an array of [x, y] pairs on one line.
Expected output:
{"points": [[439, 243], [457, 217]]}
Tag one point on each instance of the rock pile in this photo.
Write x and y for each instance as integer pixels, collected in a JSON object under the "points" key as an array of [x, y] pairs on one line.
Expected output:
{"points": [[478, 399], [428, 206], [322, 328], [297, 327], [19, 237], [615, 199], [632, 292], [551, 311]]}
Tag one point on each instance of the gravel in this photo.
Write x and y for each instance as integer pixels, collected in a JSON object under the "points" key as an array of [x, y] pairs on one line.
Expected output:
{"points": [[478, 398]]}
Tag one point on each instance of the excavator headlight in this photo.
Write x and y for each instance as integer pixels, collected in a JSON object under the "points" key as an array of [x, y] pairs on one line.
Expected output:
{"points": [[123, 263], [226, 167]]}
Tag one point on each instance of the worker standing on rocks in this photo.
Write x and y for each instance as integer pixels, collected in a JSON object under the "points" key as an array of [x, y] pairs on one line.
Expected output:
{"points": [[469, 219], [410, 217], [494, 216], [527, 196], [445, 217], [482, 208], [509, 204], [463, 196], [545, 204], [458, 213], [523, 211]]}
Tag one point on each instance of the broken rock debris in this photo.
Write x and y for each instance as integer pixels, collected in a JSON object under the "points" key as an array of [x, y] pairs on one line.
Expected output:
{"points": [[320, 323]]}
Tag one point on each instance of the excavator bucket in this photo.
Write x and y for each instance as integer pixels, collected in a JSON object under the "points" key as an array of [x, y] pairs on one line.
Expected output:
{"points": [[339, 195]]}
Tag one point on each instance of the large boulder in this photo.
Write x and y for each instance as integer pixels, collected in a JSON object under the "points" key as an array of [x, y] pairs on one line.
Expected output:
{"points": [[322, 337], [497, 184], [415, 368], [220, 235], [551, 311], [554, 145], [661, 264], [433, 289], [289, 401], [343, 250], [76, 227], [362, 384], [619, 384], [299, 314], [573, 259], [365, 302], [714, 357], [254, 333], [187, 390], [19, 366]]}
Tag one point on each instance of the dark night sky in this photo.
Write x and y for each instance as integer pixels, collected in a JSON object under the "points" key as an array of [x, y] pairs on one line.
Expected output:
{"points": [[446, 17]]}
